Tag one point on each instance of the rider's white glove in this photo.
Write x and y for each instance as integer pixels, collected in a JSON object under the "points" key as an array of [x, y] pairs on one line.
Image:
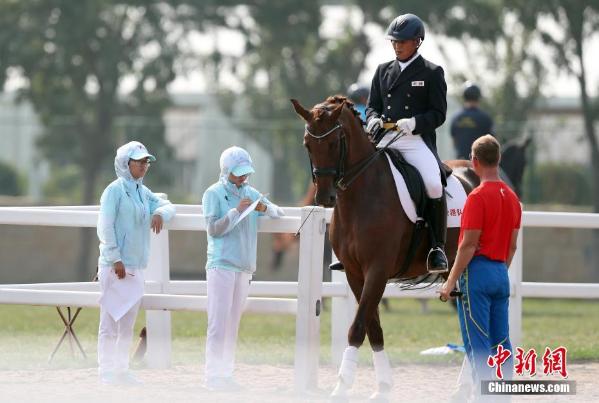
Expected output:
{"points": [[374, 124], [406, 125]]}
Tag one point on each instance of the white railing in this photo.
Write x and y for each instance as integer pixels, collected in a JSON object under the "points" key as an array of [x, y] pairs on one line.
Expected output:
{"points": [[301, 298]]}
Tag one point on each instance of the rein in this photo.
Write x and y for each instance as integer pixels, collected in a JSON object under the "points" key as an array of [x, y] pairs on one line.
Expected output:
{"points": [[342, 178]]}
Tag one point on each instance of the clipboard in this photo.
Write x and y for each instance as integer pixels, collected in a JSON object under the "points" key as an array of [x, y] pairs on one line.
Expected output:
{"points": [[248, 210]]}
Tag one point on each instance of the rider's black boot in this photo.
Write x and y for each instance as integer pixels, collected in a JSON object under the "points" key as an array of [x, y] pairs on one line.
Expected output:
{"points": [[436, 261]]}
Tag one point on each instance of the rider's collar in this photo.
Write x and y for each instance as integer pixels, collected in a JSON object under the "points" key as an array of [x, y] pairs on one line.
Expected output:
{"points": [[405, 64]]}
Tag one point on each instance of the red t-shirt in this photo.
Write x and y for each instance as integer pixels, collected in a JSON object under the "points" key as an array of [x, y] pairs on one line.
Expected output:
{"points": [[494, 209]]}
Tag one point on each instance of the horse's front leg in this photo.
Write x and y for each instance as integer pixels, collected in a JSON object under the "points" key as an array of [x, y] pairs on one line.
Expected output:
{"points": [[369, 296], [382, 367], [349, 361]]}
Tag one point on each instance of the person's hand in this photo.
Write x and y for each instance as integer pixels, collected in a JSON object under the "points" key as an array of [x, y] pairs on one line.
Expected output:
{"points": [[261, 207], [243, 204], [374, 124], [157, 223], [445, 291], [406, 125], [119, 269]]}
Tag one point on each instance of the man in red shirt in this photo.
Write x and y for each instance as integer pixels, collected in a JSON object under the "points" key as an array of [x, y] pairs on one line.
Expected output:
{"points": [[487, 243]]}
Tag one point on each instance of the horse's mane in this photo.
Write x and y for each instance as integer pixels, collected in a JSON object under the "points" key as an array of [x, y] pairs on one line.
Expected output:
{"points": [[339, 99]]}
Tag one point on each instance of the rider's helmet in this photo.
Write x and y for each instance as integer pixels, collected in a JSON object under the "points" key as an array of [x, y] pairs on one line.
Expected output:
{"points": [[404, 27], [471, 92]]}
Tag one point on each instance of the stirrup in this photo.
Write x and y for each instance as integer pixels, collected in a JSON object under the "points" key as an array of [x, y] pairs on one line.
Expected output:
{"points": [[337, 266], [436, 269]]}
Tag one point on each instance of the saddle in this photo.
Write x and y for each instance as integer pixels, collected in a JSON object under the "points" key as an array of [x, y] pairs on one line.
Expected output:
{"points": [[414, 180]]}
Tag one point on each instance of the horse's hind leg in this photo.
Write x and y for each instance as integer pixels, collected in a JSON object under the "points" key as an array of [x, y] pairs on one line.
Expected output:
{"points": [[375, 333]]}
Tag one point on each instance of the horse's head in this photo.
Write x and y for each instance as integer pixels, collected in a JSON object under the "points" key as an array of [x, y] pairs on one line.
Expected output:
{"points": [[324, 138]]}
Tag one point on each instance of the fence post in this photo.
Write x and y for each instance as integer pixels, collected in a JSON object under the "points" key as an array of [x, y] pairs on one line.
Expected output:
{"points": [[309, 298], [343, 311], [158, 323], [515, 310]]}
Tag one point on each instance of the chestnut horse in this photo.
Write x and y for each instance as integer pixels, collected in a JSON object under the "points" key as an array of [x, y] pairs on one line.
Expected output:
{"points": [[370, 232]]}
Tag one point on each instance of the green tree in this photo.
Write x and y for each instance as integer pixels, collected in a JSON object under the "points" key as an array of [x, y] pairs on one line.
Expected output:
{"points": [[510, 74], [576, 21], [74, 57], [285, 55], [574, 24]]}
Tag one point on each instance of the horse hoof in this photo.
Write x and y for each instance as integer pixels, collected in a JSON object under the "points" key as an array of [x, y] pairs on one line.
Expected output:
{"points": [[339, 394], [382, 393], [379, 397]]}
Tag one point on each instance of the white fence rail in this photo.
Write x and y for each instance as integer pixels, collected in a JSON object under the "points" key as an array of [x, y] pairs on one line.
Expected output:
{"points": [[301, 298]]}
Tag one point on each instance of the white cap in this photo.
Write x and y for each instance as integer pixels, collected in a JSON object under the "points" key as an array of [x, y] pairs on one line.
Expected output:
{"points": [[138, 151], [237, 161]]}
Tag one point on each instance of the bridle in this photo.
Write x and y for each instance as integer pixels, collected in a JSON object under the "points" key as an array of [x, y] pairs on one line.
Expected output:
{"points": [[342, 178], [339, 171]]}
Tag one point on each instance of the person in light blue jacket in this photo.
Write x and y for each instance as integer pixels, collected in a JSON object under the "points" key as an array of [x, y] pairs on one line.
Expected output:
{"points": [[128, 210], [232, 232]]}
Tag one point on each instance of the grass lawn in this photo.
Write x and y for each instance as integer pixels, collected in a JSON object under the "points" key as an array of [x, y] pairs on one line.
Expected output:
{"points": [[28, 334]]}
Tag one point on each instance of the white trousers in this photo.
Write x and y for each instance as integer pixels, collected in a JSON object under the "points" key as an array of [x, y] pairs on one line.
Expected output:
{"points": [[227, 295], [114, 337], [416, 153]]}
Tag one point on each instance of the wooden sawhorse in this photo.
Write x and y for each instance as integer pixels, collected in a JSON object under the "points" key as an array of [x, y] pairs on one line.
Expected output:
{"points": [[68, 332]]}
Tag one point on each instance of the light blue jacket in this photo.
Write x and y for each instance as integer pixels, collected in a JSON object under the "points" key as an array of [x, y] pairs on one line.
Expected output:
{"points": [[126, 210], [232, 247]]}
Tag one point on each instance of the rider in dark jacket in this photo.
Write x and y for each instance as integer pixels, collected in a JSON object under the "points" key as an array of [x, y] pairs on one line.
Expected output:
{"points": [[409, 94]]}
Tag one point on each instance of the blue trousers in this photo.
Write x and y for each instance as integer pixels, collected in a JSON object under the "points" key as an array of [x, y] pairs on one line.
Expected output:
{"points": [[483, 315]]}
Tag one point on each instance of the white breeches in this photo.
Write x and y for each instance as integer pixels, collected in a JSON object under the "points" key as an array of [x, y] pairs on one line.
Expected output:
{"points": [[227, 295], [114, 337], [416, 153]]}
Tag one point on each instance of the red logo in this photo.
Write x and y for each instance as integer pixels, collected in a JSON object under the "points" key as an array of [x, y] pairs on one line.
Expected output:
{"points": [[454, 212], [555, 361], [498, 359], [526, 362]]}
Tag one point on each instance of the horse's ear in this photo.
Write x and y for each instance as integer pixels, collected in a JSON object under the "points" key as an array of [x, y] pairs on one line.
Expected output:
{"points": [[337, 111], [300, 110]]}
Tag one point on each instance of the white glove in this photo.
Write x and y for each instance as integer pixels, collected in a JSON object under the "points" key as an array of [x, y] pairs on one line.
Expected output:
{"points": [[406, 125], [274, 211], [374, 124]]}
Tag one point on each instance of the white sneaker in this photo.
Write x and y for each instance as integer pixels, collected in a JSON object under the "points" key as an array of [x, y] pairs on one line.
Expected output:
{"points": [[233, 385], [128, 378], [108, 378], [223, 384]]}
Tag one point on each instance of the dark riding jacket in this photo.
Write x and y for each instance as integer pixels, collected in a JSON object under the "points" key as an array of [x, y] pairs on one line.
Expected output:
{"points": [[420, 92]]}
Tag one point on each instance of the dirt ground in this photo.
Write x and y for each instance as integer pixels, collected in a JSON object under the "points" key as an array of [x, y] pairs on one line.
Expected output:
{"points": [[263, 383]]}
